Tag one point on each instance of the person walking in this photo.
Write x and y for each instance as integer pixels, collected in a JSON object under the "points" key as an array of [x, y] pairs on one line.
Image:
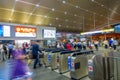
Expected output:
{"points": [[19, 70], [35, 53]]}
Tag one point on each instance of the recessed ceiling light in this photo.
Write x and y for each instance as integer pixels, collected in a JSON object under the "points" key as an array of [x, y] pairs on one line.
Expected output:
{"points": [[37, 5], [76, 6], [30, 13], [92, 0], [75, 15], [53, 9], [13, 10], [59, 25], [63, 2], [10, 19], [65, 12], [56, 18], [45, 16], [16, 0]]}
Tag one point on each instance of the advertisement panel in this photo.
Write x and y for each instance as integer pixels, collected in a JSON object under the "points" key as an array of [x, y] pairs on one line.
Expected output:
{"points": [[49, 33], [4, 31], [21, 31]]}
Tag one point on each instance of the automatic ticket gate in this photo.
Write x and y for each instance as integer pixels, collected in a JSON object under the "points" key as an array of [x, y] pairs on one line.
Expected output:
{"points": [[78, 64], [62, 61], [103, 67], [54, 58], [47, 58], [95, 68]]}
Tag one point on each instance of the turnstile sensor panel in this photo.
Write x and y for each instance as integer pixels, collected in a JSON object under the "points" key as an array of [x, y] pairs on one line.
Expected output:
{"points": [[77, 65]]}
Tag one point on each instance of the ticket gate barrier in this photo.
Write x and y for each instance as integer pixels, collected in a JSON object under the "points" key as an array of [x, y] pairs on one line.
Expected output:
{"points": [[104, 67], [47, 57], [62, 61], [79, 64], [53, 57], [95, 68]]}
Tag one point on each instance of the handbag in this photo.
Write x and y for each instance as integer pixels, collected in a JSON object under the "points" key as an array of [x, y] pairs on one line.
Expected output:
{"points": [[41, 55]]}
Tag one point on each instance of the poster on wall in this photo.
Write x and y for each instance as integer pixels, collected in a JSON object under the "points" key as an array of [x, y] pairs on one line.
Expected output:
{"points": [[21, 31], [4, 31], [49, 33]]}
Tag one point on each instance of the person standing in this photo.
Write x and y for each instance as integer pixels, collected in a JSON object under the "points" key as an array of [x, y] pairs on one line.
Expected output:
{"points": [[10, 47], [68, 46], [105, 43], [96, 43], [35, 52], [115, 44]]}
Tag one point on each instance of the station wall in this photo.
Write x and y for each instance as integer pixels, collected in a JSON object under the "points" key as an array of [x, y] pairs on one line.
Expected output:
{"points": [[39, 32]]}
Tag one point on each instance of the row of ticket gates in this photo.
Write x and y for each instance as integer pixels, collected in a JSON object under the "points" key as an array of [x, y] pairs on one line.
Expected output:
{"points": [[79, 63]]}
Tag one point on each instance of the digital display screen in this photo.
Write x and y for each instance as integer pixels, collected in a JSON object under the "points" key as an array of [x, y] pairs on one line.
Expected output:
{"points": [[4, 31], [49, 33], [21, 31], [117, 28]]}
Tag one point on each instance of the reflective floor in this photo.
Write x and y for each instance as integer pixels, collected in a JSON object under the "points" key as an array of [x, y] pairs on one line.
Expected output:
{"points": [[41, 73]]}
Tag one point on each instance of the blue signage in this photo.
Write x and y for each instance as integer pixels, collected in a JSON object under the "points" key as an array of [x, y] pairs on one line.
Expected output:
{"points": [[69, 62], [49, 58], [1, 31]]}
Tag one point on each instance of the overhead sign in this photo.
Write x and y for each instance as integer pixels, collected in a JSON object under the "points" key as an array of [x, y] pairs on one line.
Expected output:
{"points": [[21, 31], [4, 31]]}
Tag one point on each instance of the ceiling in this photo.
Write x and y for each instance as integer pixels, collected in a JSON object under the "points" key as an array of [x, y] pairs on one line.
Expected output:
{"points": [[65, 15]]}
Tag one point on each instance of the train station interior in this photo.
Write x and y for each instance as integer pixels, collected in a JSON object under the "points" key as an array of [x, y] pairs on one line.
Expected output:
{"points": [[59, 40]]}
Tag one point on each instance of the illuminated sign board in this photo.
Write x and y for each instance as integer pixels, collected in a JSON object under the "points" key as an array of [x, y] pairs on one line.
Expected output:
{"points": [[21, 31], [100, 31], [49, 33], [4, 31]]}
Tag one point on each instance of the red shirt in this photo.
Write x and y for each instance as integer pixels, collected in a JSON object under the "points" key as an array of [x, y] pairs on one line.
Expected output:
{"points": [[69, 47]]}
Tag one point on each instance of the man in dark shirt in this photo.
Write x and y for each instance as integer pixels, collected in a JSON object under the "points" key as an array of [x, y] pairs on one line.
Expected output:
{"points": [[35, 52]]}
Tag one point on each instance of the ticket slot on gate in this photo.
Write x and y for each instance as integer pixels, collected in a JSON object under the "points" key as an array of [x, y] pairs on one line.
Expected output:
{"points": [[77, 65]]}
